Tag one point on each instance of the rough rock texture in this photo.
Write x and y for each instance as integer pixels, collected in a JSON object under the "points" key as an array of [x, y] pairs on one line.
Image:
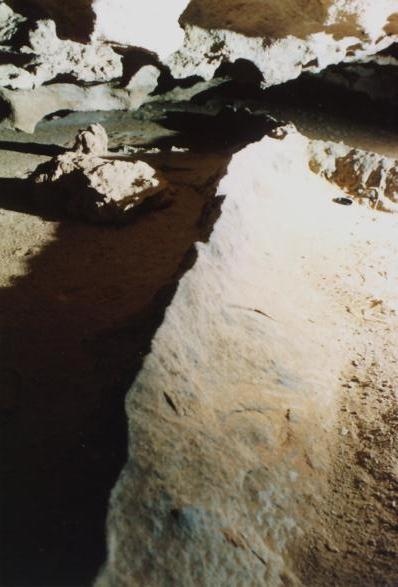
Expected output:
{"points": [[234, 414], [9, 22], [368, 177], [281, 38], [27, 107], [46, 56], [96, 189], [296, 18], [74, 19], [92, 141]]}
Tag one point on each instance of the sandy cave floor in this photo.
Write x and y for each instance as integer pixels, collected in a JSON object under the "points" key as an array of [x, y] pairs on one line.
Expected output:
{"points": [[79, 305], [82, 299]]}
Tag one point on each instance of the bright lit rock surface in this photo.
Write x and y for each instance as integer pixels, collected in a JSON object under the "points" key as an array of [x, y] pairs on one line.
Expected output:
{"points": [[92, 141], [48, 56], [368, 177], [234, 414], [281, 38]]}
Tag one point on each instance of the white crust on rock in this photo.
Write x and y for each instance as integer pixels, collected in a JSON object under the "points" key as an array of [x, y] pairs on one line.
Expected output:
{"points": [[370, 178], [278, 60]]}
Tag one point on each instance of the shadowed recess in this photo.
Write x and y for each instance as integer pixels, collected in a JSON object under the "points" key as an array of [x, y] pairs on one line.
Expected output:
{"points": [[75, 330], [74, 19]]}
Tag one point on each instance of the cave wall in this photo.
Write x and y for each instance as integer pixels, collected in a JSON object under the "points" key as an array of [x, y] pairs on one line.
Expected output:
{"points": [[75, 19], [90, 42]]}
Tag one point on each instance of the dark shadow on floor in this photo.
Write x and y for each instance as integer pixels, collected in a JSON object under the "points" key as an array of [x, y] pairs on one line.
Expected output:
{"points": [[18, 195], [74, 331], [33, 148], [229, 128]]}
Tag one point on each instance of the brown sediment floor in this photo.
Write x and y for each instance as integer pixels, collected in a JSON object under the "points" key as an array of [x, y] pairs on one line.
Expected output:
{"points": [[355, 539], [79, 305]]}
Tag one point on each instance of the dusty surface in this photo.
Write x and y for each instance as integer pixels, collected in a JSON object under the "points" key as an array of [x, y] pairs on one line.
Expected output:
{"points": [[79, 305], [355, 540], [273, 441], [249, 419]]}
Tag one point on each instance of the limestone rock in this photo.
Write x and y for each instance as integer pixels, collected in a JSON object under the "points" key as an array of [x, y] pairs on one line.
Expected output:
{"points": [[9, 22], [370, 178], [28, 107], [48, 57], [84, 185], [75, 19], [92, 141], [281, 38]]}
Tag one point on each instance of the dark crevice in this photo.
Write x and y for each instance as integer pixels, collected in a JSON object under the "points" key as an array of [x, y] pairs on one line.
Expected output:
{"points": [[5, 110], [229, 128], [74, 19], [341, 91], [133, 58], [75, 330], [391, 51], [241, 71], [17, 59], [321, 93], [167, 83]]}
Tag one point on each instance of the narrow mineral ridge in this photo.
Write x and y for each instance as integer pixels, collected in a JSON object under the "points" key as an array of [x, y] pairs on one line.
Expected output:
{"points": [[236, 415]]}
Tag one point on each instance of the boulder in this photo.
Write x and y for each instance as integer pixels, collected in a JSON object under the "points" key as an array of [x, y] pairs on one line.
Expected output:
{"points": [[84, 185]]}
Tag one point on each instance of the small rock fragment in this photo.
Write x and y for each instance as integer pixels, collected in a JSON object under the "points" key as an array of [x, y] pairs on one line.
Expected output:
{"points": [[92, 141]]}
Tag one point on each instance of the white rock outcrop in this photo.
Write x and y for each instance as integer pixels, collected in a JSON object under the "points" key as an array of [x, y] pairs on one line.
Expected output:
{"points": [[282, 39], [48, 57], [370, 178], [92, 141], [9, 22]]}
